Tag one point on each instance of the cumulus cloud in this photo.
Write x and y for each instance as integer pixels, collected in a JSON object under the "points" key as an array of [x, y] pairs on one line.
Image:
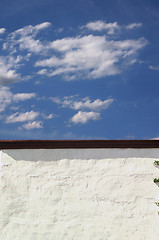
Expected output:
{"points": [[133, 25], [94, 105], [80, 57], [154, 67], [2, 30], [22, 117], [89, 57], [73, 102], [8, 68], [32, 125], [84, 103], [7, 97], [24, 38], [84, 117], [23, 96], [101, 25], [8, 72]]}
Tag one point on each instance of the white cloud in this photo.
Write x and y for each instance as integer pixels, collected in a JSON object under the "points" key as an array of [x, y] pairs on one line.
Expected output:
{"points": [[129, 47], [84, 103], [50, 116], [81, 57], [42, 26], [8, 98], [133, 25], [32, 125], [96, 105], [30, 30], [101, 25], [111, 28], [59, 30], [5, 98], [2, 30], [8, 68], [24, 38], [42, 72], [154, 67], [22, 117], [30, 44], [8, 73], [84, 117], [89, 57], [8, 76], [23, 96]]}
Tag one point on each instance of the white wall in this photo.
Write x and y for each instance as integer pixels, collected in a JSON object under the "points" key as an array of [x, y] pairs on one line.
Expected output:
{"points": [[84, 194]]}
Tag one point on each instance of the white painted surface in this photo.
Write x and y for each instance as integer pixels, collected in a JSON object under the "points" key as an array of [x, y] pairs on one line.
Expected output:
{"points": [[93, 194]]}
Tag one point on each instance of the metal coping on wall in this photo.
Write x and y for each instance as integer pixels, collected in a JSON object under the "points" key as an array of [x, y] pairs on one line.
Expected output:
{"points": [[79, 144]]}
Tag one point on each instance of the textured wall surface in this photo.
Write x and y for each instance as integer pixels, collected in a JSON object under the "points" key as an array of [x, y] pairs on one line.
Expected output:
{"points": [[71, 195]]}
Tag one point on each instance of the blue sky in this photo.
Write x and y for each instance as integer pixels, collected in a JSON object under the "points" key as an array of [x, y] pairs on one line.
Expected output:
{"points": [[84, 69]]}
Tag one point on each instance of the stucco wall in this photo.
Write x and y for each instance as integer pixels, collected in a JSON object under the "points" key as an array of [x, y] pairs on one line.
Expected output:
{"points": [[84, 194]]}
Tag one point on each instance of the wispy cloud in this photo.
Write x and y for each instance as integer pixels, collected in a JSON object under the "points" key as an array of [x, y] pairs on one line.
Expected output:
{"points": [[76, 103], [84, 103], [84, 117], [110, 28], [32, 125], [50, 116], [22, 117], [11, 100], [101, 25], [24, 38], [42, 26], [23, 96], [5, 98], [133, 25], [154, 67], [80, 57], [8, 98]]}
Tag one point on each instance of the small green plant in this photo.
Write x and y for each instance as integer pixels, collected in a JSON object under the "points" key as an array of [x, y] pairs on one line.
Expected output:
{"points": [[156, 180], [157, 203], [156, 163]]}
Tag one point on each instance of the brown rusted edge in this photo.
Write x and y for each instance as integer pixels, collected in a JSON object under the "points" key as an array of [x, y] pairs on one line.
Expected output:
{"points": [[79, 144]]}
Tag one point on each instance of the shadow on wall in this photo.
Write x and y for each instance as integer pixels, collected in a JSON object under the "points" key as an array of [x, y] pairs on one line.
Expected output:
{"points": [[85, 154]]}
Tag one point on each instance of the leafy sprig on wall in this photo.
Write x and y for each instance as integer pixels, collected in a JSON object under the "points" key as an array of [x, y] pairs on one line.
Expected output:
{"points": [[156, 180], [156, 163], [157, 203]]}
